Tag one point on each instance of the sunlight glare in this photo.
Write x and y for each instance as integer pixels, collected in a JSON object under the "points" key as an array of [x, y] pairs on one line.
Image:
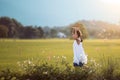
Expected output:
{"points": [[111, 2]]}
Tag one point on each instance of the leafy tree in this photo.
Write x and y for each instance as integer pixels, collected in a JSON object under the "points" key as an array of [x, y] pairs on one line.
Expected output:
{"points": [[12, 25], [3, 31], [29, 32], [53, 33], [40, 32]]}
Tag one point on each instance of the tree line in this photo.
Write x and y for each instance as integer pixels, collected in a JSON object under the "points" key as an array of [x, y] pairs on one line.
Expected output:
{"points": [[11, 28]]}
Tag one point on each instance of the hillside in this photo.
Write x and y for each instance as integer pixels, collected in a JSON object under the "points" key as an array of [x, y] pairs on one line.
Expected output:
{"points": [[100, 29]]}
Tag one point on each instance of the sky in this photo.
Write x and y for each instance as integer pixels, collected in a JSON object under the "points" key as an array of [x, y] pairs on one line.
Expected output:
{"points": [[60, 12]]}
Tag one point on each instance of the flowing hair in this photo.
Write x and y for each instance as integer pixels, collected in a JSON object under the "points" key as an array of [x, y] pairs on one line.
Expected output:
{"points": [[79, 33]]}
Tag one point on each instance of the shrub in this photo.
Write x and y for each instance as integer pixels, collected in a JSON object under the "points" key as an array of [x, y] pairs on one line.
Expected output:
{"points": [[62, 70]]}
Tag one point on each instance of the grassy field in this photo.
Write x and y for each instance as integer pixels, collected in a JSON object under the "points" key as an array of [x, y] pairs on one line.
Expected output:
{"points": [[12, 51]]}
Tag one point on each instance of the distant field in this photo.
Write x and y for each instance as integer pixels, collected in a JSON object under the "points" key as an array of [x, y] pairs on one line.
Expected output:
{"points": [[12, 51]]}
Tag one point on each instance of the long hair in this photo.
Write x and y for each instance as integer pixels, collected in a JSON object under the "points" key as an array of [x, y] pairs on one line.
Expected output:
{"points": [[79, 33]]}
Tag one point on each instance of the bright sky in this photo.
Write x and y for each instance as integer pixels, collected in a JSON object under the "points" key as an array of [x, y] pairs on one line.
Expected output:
{"points": [[60, 12]]}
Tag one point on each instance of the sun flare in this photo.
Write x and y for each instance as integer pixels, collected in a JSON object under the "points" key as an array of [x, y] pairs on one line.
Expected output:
{"points": [[111, 1]]}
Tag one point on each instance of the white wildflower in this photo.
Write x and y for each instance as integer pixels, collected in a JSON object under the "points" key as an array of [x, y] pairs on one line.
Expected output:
{"points": [[64, 57], [29, 62], [45, 72]]}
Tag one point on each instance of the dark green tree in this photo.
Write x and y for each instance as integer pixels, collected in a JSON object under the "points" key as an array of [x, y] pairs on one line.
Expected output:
{"points": [[12, 25], [3, 31], [40, 32], [53, 33], [29, 32]]}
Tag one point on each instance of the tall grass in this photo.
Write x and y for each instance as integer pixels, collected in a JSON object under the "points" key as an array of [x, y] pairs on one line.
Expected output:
{"points": [[33, 69]]}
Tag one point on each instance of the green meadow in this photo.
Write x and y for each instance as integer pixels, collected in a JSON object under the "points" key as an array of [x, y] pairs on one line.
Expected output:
{"points": [[14, 50]]}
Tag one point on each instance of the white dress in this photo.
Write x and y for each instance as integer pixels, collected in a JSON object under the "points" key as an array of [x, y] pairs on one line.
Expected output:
{"points": [[79, 54]]}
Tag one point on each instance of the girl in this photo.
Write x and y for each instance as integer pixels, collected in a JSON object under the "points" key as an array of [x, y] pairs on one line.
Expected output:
{"points": [[79, 55]]}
